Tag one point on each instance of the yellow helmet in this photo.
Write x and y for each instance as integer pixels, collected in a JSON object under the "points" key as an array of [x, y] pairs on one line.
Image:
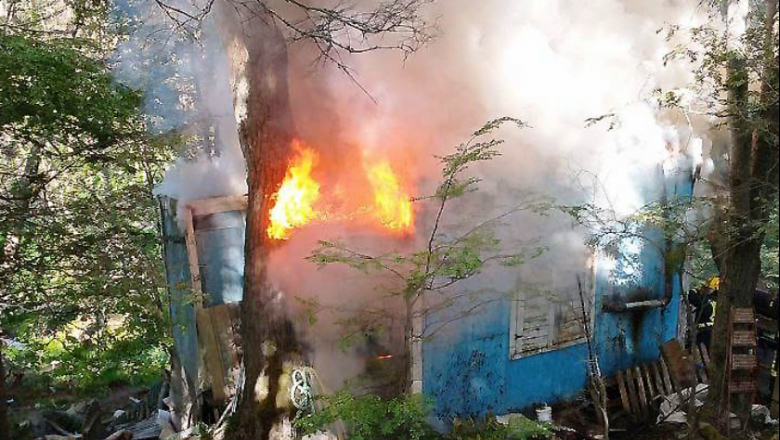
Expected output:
{"points": [[714, 283]]}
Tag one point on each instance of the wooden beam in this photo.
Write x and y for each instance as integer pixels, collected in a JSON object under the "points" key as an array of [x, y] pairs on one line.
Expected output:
{"points": [[192, 254], [668, 385], [652, 391], [699, 358], [705, 354], [637, 409], [623, 393], [217, 204], [641, 391], [659, 383], [211, 353], [775, 398]]}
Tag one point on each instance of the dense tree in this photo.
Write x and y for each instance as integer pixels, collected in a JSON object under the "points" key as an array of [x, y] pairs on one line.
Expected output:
{"points": [[79, 248], [745, 75]]}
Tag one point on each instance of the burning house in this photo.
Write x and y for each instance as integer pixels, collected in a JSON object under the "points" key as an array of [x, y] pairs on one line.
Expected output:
{"points": [[508, 337], [520, 345]]}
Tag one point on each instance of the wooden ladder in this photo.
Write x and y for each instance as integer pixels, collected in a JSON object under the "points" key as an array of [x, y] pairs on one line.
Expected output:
{"points": [[742, 357]]}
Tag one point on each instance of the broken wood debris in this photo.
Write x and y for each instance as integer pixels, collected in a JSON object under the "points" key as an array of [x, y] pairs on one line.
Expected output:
{"points": [[641, 387]]}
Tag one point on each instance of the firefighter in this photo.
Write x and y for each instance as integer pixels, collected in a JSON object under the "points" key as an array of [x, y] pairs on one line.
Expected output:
{"points": [[704, 301]]}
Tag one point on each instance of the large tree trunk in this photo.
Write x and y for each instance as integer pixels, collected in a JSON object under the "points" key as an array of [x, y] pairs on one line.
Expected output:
{"points": [[739, 276], [267, 337], [753, 187]]}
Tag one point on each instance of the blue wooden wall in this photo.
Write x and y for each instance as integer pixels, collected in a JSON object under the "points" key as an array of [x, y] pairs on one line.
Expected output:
{"points": [[220, 245], [468, 369], [177, 269], [220, 240]]}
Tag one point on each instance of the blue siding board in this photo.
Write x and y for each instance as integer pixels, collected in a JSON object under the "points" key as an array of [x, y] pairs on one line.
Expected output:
{"points": [[221, 257], [177, 268], [468, 371], [220, 241]]}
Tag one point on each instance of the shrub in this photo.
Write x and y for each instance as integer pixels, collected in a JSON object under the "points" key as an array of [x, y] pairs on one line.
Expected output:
{"points": [[371, 417]]}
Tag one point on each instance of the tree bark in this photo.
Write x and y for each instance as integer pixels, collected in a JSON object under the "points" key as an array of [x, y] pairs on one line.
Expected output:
{"points": [[753, 187], [267, 336]]}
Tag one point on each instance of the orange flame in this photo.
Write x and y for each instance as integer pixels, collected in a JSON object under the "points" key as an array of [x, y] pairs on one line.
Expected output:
{"points": [[393, 205], [295, 199]]}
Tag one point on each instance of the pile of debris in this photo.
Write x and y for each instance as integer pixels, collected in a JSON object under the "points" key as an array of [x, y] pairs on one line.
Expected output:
{"points": [[139, 417]]}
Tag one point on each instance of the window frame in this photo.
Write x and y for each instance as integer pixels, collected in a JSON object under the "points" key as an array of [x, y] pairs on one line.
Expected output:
{"points": [[554, 311]]}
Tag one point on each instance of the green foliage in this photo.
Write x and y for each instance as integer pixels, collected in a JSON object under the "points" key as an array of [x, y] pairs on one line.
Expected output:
{"points": [[518, 428], [88, 365], [202, 431], [477, 430], [81, 278], [522, 428], [371, 418], [769, 254], [713, 56], [53, 93]]}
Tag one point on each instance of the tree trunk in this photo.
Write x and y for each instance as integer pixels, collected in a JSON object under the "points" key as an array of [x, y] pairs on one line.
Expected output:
{"points": [[741, 264], [267, 337], [738, 282], [753, 187]]}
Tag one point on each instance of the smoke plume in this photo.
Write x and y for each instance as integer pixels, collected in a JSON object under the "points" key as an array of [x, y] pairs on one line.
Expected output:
{"points": [[554, 64]]}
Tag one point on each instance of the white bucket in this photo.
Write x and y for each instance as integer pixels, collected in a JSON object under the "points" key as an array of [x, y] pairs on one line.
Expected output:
{"points": [[544, 414]]}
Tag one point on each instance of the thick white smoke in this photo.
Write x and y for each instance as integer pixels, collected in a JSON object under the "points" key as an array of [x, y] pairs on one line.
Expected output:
{"points": [[185, 73], [552, 63]]}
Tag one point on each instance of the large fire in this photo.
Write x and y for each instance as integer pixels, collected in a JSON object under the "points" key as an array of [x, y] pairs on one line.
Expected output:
{"points": [[295, 199], [393, 205], [294, 204]]}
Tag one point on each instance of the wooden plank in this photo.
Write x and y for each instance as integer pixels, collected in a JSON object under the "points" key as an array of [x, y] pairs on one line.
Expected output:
{"points": [[223, 326], [217, 204], [641, 391], [705, 353], [621, 382], [192, 255], [743, 316], [652, 391], [775, 409], [658, 381], [668, 386], [701, 372], [211, 354], [530, 333], [679, 364], [742, 386], [743, 338], [743, 362], [637, 409]]}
